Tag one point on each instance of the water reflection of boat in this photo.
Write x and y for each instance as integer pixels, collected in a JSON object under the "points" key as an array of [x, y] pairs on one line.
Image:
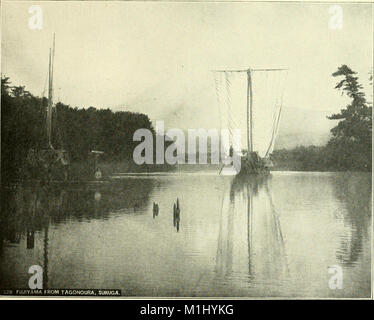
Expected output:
{"points": [[176, 215], [250, 227], [26, 210], [79, 201]]}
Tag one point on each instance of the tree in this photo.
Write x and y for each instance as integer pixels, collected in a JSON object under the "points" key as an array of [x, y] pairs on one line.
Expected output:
{"points": [[76, 130], [350, 145], [5, 86]]}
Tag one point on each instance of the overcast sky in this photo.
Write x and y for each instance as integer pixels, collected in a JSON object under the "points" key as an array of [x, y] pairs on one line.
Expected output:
{"points": [[155, 57]]}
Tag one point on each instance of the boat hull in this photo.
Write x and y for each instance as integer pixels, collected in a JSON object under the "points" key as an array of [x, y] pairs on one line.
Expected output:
{"points": [[253, 164], [46, 165]]}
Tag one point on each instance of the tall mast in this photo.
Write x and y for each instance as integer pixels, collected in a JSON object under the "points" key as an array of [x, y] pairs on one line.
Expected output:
{"points": [[249, 111], [50, 93], [49, 106], [249, 228]]}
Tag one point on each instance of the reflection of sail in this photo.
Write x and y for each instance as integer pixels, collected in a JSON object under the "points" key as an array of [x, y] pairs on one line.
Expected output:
{"points": [[250, 211], [224, 257], [45, 257], [249, 228], [267, 251], [231, 90]]}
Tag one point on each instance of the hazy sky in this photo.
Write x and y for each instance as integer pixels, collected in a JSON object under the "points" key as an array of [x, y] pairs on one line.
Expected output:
{"points": [[155, 57]]}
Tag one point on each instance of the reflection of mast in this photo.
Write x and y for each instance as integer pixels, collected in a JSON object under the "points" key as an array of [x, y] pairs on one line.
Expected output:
{"points": [[278, 231], [30, 230], [230, 225], [45, 256], [1, 242], [249, 228], [262, 239], [269, 251], [224, 256], [219, 249], [45, 241]]}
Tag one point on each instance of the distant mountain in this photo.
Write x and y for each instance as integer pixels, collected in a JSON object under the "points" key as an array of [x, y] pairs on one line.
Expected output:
{"points": [[298, 126], [284, 141], [303, 127]]}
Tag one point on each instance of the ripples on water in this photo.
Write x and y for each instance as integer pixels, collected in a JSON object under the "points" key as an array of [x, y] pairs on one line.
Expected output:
{"points": [[258, 237]]}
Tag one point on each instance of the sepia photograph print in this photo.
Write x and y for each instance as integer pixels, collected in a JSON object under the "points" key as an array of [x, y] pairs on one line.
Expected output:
{"points": [[186, 150]]}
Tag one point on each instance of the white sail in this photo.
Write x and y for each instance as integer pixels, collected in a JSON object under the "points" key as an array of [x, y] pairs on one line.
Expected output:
{"points": [[267, 100], [257, 118], [231, 89]]}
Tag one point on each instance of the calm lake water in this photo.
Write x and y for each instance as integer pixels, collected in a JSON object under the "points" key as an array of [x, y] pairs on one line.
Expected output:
{"points": [[269, 237]]}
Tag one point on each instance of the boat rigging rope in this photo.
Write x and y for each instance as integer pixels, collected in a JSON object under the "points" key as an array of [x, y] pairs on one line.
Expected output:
{"points": [[277, 110]]}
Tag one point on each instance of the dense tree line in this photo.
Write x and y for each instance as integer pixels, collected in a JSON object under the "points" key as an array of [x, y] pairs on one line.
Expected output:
{"points": [[350, 145], [311, 158], [77, 130], [301, 158]]}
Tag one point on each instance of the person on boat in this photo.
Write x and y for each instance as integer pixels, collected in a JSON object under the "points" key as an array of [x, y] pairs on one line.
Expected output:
{"points": [[231, 152]]}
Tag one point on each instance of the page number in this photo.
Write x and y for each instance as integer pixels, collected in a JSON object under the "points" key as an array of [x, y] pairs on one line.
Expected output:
{"points": [[36, 20], [336, 17]]}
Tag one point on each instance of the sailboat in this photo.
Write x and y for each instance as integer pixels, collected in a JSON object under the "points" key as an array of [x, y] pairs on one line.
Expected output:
{"points": [[48, 163], [251, 100]]}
